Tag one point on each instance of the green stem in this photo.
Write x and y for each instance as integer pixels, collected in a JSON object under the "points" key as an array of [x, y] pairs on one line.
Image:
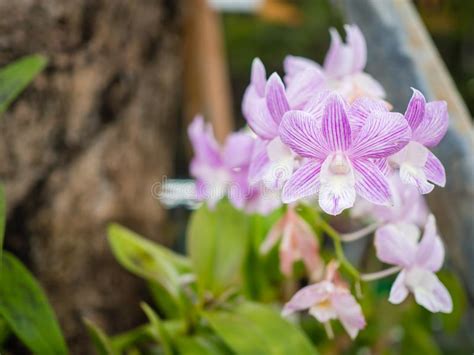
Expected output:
{"points": [[336, 238]]}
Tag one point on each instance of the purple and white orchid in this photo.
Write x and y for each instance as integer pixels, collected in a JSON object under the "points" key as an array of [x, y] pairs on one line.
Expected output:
{"points": [[398, 244], [342, 71], [223, 171], [429, 123], [340, 164]]}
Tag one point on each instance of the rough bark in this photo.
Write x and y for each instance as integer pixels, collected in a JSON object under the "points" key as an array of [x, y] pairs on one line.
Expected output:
{"points": [[85, 143]]}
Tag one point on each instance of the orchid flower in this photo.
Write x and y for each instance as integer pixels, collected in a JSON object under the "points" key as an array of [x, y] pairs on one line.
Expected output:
{"points": [[223, 171], [263, 106], [329, 299], [339, 165], [397, 244], [298, 242], [342, 71], [429, 123], [408, 205]]}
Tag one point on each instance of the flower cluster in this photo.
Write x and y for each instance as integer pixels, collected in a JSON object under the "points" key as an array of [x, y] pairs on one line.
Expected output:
{"points": [[326, 134]]}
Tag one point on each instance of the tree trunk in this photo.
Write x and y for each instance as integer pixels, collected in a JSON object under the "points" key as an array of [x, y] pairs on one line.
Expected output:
{"points": [[85, 143]]}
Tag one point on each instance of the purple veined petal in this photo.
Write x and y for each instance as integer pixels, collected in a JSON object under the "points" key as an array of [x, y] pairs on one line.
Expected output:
{"points": [[259, 161], [335, 124], [396, 244], [277, 102], [258, 77], [349, 312], [415, 176], [370, 182], [337, 184], [307, 297], [315, 106], [301, 132], [255, 111], [356, 42], [303, 183], [399, 291], [338, 61], [383, 134], [434, 125], [238, 150], [303, 87], [430, 253], [429, 291], [415, 110], [360, 110], [294, 65], [205, 146], [434, 170]]}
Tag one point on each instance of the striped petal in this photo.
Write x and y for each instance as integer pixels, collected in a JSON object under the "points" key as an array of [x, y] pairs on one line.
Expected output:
{"points": [[294, 65], [335, 124], [360, 110], [257, 115], [303, 183], [434, 125], [434, 170], [258, 77], [301, 132], [383, 134], [370, 183], [415, 110], [276, 98]]}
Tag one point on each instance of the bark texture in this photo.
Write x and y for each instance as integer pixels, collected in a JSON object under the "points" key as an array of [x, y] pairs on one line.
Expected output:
{"points": [[85, 143]]}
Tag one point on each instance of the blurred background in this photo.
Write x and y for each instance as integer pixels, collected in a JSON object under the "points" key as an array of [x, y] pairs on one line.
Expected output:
{"points": [[106, 120]]}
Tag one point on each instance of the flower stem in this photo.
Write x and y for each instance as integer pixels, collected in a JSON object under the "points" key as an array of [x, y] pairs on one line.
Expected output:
{"points": [[328, 329], [380, 274], [361, 233], [336, 238]]}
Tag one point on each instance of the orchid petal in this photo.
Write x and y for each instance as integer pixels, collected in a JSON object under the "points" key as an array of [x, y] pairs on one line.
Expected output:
{"points": [[238, 150], [273, 236], [415, 176], [335, 124], [360, 110], [259, 161], [303, 183], [349, 312], [429, 291], [396, 244], [399, 291], [434, 125], [204, 144], [255, 111], [337, 191], [294, 65], [303, 86], [415, 110], [383, 134], [356, 41], [370, 182], [277, 102], [338, 60], [301, 132], [430, 253], [307, 297], [434, 170], [258, 76]]}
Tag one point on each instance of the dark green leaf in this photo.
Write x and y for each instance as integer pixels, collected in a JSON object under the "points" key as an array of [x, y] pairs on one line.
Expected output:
{"points": [[16, 76], [216, 242], [253, 328], [158, 330], [24, 306], [201, 345], [102, 343], [3, 212]]}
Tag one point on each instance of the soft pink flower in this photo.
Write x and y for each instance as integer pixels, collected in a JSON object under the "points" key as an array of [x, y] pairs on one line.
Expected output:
{"points": [[329, 299], [398, 244], [298, 242], [342, 71]]}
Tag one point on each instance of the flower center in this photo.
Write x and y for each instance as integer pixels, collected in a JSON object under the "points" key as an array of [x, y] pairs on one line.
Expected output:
{"points": [[339, 165]]}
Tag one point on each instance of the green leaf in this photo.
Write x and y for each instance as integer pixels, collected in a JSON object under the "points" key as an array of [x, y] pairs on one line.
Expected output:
{"points": [[217, 242], [16, 76], [102, 343], [201, 345], [158, 330], [147, 259], [24, 306], [253, 328], [452, 321]]}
